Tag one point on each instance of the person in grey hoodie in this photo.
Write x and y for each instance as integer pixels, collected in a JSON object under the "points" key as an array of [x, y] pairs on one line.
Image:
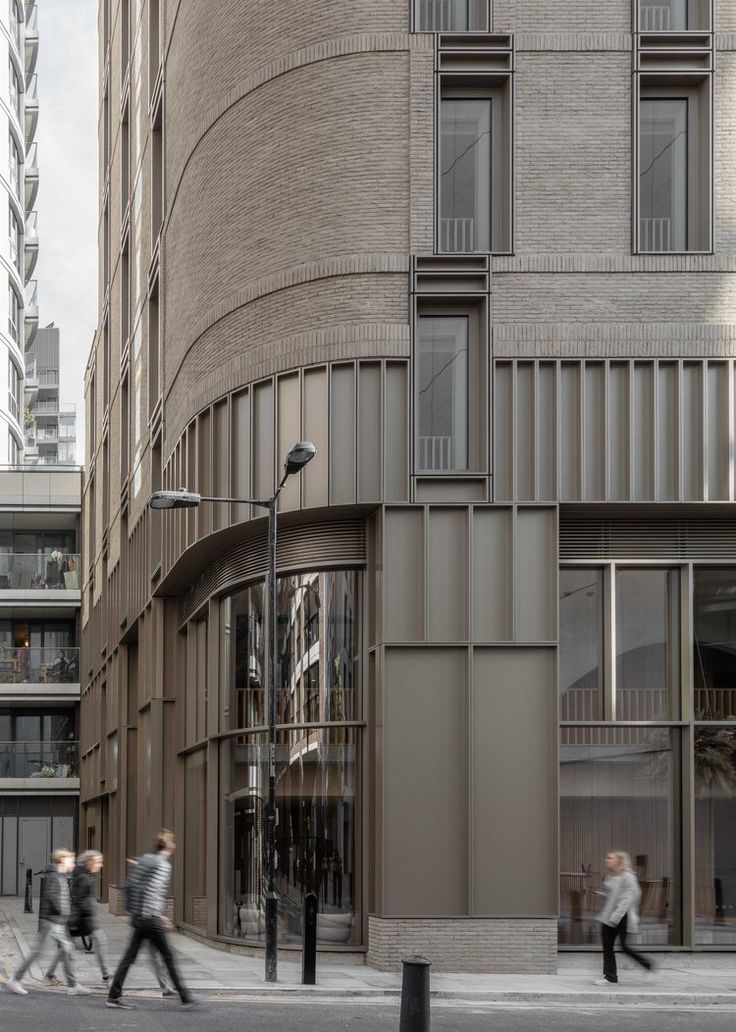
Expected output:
{"points": [[619, 915]]}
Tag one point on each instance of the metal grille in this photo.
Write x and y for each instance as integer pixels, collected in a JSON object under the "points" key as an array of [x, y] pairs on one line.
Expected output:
{"points": [[314, 547], [658, 537], [458, 234]]}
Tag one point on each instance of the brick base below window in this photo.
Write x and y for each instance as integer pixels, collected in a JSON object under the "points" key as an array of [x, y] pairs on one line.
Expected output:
{"points": [[480, 944]]}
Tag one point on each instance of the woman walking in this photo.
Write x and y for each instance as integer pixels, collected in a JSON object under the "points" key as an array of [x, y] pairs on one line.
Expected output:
{"points": [[620, 914]]}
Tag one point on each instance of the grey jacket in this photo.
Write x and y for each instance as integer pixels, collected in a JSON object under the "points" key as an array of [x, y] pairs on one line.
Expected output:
{"points": [[156, 871], [622, 899]]}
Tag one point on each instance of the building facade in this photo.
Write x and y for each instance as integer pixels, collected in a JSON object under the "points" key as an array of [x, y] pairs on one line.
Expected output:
{"points": [[50, 424], [18, 188], [39, 669], [482, 255]]}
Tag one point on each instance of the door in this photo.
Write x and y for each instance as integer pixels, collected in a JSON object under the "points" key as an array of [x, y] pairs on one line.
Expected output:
{"points": [[34, 847]]}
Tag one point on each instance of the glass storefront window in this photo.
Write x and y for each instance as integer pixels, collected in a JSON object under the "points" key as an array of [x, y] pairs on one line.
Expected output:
{"points": [[317, 833], [618, 791], [714, 605], [647, 644], [715, 835], [581, 644], [195, 840]]}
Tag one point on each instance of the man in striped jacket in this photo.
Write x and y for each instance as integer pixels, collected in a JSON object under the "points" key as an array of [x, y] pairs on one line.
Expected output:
{"points": [[147, 903]]}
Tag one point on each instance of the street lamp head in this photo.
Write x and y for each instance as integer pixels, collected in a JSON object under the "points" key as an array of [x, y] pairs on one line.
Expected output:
{"points": [[302, 453], [181, 499]]}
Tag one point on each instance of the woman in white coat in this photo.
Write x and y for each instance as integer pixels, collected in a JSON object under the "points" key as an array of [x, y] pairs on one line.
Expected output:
{"points": [[619, 915]]}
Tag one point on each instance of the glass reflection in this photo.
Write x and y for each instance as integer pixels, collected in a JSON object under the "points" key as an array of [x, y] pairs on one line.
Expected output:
{"points": [[714, 602], [715, 836], [647, 644], [663, 174], [581, 644], [465, 175], [317, 833], [617, 791]]}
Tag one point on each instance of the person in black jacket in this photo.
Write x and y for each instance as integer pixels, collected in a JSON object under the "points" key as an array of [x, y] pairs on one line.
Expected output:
{"points": [[54, 910], [83, 918]]}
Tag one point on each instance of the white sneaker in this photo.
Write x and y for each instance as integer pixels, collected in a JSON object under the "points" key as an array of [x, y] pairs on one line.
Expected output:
{"points": [[15, 987], [604, 981], [78, 990]]}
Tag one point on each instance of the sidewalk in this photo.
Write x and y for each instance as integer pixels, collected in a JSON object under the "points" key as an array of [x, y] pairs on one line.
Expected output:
{"points": [[682, 980]]}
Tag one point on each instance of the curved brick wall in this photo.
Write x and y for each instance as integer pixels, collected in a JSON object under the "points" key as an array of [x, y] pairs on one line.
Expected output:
{"points": [[288, 192]]}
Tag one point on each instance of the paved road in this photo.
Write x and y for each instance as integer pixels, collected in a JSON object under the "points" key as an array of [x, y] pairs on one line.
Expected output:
{"points": [[48, 1012]]}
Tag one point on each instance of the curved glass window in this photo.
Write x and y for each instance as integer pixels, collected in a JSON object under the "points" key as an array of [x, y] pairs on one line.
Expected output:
{"points": [[318, 662], [317, 796], [317, 833]]}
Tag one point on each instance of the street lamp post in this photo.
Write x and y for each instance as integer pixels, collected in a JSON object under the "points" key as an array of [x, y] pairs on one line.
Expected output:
{"points": [[301, 453]]}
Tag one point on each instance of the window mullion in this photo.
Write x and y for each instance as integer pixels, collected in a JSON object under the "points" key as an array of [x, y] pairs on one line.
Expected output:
{"points": [[609, 642]]}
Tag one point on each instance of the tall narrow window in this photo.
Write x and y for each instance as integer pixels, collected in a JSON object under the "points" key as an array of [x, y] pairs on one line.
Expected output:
{"points": [[451, 15], [442, 379], [663, 174], [465, 174]]}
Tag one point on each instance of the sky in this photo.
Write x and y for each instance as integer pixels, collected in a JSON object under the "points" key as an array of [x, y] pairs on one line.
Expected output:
{"points": [[67, 197]]}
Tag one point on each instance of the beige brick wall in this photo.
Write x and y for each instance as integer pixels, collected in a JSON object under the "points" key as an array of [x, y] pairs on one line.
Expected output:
{"points": [[491, 945]]}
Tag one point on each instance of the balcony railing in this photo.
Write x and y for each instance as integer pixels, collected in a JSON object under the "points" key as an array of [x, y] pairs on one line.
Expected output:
{"points": [[32, 17], [458, 235], [36, 664], [32, 224], [656, 18], [435, 453], [443, 15], [32, 157], [39, 572], [32, 294], [32, 88], [656, 234], [39, 760], [48, 377]]}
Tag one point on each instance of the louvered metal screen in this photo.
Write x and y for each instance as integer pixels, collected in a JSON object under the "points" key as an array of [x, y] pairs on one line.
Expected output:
{"points": [[647, 538]]}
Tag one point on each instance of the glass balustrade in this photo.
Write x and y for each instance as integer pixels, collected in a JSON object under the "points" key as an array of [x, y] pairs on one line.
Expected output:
{"points": [[56, 571], [39, 759]]}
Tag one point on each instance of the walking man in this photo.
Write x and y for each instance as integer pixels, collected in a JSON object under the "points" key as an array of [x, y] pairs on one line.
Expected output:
{"points": [[149, 884], [84, 920], [54, 911]]}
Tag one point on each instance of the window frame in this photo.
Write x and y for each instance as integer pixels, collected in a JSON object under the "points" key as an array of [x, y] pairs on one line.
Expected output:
{"points": [[475, 310], [699, 190], [499, 90]]}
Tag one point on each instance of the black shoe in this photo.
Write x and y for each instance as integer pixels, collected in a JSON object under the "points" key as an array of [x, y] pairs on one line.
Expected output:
{"points": [[168, 992], [194, 1001], [119, 1001]]}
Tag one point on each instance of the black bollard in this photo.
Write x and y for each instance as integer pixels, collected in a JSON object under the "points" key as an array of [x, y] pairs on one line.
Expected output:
{"points": [[415, 995], [309, 940], [28, 901]]}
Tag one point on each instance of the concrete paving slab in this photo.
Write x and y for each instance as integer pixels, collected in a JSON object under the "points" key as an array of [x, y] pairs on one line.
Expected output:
{"points": [[678, 982]]}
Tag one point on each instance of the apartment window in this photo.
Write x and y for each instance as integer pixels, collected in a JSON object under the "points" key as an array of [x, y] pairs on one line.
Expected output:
{"points": [[13, 451], [449, 399], [153, 350], [674, 15], [14, 238], [674, 169], [14, 164], [14, 393], [154, 43], [14, 310], [474, 169], [451, 15], [16, 90]]}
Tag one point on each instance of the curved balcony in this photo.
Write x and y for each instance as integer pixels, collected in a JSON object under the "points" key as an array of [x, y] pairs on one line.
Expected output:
{"points": [[31, 106], [31, 37], [30, 312], [31, 243], [31, 176]]}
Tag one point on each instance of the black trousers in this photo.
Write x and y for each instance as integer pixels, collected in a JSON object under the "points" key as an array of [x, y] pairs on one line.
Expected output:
{"points": [[609, 936], [150, 930]]}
